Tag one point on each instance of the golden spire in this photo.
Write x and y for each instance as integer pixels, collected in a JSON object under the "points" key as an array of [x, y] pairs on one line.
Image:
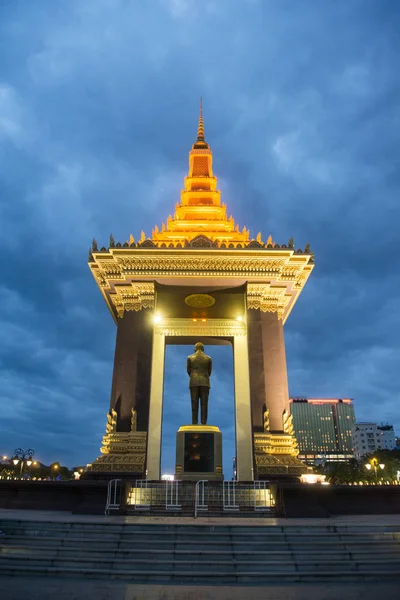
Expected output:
{"points": [[200, 128], [200, 211], [200, 143]]}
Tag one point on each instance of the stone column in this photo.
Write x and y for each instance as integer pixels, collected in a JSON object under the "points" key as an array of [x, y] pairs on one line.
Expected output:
{"points": [[257, 375], [275, 371], [244, 438], [268, 375], [156, 406], [132, 369]]}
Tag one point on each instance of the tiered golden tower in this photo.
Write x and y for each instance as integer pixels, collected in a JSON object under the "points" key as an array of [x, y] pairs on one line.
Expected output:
{"points": [[200, 210]]}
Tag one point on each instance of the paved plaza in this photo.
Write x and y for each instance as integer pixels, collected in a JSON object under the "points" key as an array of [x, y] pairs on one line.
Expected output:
{"points": [[204, 519]]}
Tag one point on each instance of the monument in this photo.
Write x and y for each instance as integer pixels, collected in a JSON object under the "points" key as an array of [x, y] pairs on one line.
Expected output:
{"points": [[199, 448], [199, 277]]}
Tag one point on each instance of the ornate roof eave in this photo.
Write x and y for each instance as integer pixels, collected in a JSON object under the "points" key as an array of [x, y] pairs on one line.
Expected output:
{"points": [[275, 275]]}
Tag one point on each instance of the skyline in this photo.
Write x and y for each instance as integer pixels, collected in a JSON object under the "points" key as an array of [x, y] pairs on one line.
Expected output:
{"points": [[98, 111]]}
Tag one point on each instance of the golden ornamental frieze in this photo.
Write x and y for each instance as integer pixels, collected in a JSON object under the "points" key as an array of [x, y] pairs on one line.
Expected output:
{"points": [[290, 272], [302, 278], [133, 297], [267, 299], [197, 265], [186, 327], [101, 280]]}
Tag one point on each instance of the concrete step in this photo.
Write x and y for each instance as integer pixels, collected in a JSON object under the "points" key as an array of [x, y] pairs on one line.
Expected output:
{"points": [[195, 554], [253, 576], [172, 563], [194, 544], [200, 533], [200, 529]]}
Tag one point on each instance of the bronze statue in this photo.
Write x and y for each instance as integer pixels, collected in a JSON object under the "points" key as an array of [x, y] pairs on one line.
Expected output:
{"points": [[199, 367]]}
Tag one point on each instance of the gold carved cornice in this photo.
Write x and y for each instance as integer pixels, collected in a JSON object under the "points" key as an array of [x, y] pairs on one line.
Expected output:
{"points": [[135, 296], [275, 443], [275, 277], [185, 264], [267, 298]]}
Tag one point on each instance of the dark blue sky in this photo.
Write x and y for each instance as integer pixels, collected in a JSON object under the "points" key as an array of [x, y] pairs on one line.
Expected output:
{"points": [[98, 110]]}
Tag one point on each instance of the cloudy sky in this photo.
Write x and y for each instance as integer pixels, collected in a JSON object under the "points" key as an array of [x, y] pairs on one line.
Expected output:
{"points": [[98, 110]]}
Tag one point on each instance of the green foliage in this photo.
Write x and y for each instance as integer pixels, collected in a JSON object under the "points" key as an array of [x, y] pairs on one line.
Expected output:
{"points": [[355, 472]]}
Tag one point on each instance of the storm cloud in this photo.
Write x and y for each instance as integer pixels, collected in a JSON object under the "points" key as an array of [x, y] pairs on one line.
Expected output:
{"points": [[98, 110]]}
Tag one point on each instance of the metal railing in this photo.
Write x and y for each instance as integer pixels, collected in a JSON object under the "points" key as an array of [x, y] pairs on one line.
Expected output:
{"points": [[200, 496], [203, 496], [172, 495], [263, 497], [112, 502], [142, 495], [229, 495]]}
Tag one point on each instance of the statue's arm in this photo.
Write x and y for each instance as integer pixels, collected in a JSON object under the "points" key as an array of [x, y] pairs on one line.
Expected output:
{"points": [[210, 367], [188, 366]]}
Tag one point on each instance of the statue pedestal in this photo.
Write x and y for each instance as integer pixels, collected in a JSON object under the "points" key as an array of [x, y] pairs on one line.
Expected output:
{"points": [[198, 453]]}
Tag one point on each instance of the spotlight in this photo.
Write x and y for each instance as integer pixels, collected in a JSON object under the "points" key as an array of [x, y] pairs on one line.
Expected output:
{"points": [[157, 318], [239, 318]]}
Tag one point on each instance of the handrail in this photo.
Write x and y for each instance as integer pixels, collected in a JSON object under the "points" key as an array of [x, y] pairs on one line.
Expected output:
{"points": [[199, 503], [111, 502]]}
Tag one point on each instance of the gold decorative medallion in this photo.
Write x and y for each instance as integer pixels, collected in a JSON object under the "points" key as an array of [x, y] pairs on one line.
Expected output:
{"points": [[199, 300]]}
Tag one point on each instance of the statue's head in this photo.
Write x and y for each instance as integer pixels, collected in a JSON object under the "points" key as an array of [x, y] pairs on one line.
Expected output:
{"points": [[199, 346]]}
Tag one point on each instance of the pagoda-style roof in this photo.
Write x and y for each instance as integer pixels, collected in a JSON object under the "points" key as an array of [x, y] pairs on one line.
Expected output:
{"points": [[199, 246], [200, 211]]}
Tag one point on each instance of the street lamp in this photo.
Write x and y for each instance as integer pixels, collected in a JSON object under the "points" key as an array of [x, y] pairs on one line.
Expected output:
{"points": [[54, 466], [21, 456], [374, 464]]}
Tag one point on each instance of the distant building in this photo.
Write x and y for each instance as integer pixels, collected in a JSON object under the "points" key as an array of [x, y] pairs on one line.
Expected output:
{"points": [[322, 427], [369, 437]]}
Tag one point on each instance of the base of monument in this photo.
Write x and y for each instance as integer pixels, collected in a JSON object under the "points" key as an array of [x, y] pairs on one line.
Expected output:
{"points": [[124, 457], [275, 456], [198, 453], [123, 452], [115, 474]]}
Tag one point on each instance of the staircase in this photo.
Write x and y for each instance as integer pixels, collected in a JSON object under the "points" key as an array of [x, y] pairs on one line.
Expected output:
{"points": [[205, 554]]}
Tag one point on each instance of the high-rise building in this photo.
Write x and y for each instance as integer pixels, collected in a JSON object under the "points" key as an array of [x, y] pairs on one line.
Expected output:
{"points": [[369, 437], [322, 427]]}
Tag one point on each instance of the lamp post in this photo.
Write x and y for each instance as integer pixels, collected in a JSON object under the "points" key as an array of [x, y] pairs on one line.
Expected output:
{"points": [[374, 464], [54, 466], [22, 455]]}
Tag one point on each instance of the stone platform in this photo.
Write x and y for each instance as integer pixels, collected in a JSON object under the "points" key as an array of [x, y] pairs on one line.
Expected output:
{"points": [[292, 500]]}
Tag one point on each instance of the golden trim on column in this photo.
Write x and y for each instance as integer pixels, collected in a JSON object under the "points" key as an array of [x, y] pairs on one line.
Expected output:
{"points": [[276, 453], [123, 452]]}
